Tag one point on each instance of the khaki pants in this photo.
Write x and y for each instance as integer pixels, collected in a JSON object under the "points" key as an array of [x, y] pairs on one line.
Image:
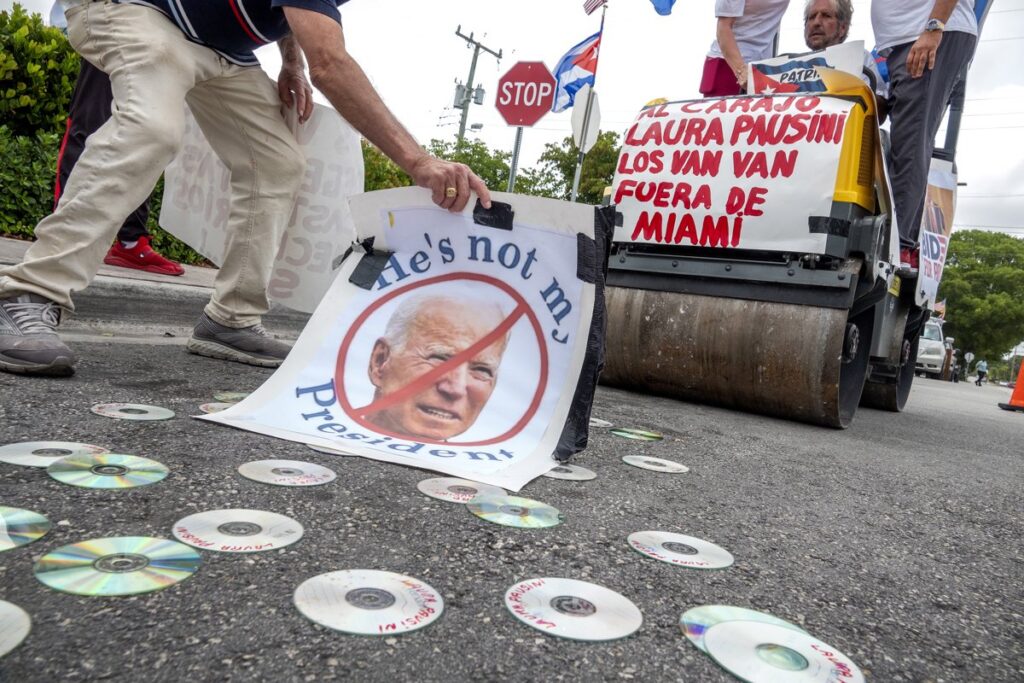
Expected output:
{"points": [[154, 71]]}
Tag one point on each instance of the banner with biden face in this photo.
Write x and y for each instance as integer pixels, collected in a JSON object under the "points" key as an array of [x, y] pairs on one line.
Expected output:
{"points": [[451, 342]]}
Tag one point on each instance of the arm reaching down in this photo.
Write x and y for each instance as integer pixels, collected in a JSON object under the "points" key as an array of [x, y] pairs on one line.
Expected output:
{"points": [[292, 86], [337, 75]]}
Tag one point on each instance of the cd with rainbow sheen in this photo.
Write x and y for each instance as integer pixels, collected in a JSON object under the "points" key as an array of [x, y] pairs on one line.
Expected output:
{"points": [[571, 473], [655, 464], [598, 422], [455, 490], [238, 530], [368, 602], [230, 396], [20, 527], [15, 623], [523, 513], [43, 453], [680, 550], [132, 411], [769, 653], [122, 565], [573, 609], [636, 434], [287, 472], [695, 622], [210, 408], [107, 471]]}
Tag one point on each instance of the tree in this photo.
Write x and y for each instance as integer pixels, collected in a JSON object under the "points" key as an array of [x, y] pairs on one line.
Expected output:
{"points": [[558, 168], [983, 284], [380, 172], [37, 73], [492, 166]]}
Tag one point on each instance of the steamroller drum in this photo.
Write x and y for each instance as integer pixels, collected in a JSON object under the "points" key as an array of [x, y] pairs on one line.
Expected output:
{"points": [[891, 393], [777, 359]]}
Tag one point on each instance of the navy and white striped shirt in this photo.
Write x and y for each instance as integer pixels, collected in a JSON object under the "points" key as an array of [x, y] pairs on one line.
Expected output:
{"points": [[234, 28]]}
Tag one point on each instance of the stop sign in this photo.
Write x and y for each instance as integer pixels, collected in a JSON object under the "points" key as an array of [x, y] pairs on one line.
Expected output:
{"points": [[525, 93]]}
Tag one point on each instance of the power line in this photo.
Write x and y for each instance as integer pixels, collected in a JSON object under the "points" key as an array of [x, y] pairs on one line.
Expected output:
{"points": [[996, 196]]}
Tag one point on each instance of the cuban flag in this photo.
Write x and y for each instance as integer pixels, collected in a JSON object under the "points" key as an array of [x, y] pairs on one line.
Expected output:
{"points": [[576, 69]]}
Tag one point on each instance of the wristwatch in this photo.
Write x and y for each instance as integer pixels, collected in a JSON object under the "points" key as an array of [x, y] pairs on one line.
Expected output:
{"points": [[934, 25]]}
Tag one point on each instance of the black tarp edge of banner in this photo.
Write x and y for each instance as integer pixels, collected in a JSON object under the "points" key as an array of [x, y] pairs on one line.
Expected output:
{"points": [[500, 215], [576, 431], [370, 266]]}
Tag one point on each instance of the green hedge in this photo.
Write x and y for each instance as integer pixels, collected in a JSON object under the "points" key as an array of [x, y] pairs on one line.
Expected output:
{"points": [[28, 166]]}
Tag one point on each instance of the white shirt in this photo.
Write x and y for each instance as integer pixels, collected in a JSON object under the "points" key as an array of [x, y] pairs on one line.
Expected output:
{"points": [[898, 22], [757, 22]]}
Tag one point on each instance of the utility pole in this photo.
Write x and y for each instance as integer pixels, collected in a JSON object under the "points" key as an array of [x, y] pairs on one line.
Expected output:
{"points": [[466, 96]]}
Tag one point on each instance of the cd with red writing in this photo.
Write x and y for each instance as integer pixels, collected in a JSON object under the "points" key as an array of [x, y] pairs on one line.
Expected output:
{"points": [[577, 610], [455, 490], [237, 531], [287, 472], [368, 602], [680, 550], [768, 653]]}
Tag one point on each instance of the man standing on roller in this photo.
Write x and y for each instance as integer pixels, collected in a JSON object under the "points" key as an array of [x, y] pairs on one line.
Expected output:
{"points": [[161, 54]]}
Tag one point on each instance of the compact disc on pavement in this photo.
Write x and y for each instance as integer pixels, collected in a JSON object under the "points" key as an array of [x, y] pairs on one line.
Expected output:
{"points": [[287, 472], [107, 471], [636, 434], [20, 527], [230, 396], [514, 511], [328, 451], [132, 411], [598, 422], [42, 453], [680, 550], [768, 653], [697, 621], [570, 472], [15, 624], [368, 602], [455, 490], [238, 531], [123, 565], [656, 464], [214, 407], [573, 609]]}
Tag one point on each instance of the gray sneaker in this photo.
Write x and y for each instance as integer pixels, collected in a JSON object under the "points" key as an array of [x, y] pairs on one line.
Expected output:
{"points": [[251, 345], [29, 344]]}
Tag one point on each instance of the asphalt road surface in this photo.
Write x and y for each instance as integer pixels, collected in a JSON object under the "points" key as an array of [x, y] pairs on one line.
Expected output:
{"points": [[897, 541]]}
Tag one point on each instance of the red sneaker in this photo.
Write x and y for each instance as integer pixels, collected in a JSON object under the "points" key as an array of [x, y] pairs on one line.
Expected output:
{"points": [[141, 257], [908, 263]]}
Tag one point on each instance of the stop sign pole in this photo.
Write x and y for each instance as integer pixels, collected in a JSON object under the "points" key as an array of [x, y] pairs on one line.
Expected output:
{"points": [[525, 94]]}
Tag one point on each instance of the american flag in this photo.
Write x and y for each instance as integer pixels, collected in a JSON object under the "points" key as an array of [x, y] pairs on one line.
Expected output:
{"points": [[591, 6]]}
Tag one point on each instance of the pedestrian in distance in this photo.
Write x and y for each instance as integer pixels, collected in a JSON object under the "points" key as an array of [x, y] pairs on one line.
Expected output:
{"points": [[982, 369], [745, 32], [160, 55]]}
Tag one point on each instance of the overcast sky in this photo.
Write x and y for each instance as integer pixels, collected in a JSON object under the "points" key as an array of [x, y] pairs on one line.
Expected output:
{"points": [[410, 50]]}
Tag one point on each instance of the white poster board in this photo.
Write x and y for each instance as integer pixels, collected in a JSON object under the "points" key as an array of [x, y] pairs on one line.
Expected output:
{"points": [[936, 226], [738, 173], [462, 356], [197, 198]]}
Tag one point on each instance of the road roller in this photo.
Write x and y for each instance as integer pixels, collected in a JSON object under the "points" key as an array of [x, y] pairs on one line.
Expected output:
{"points": [[755, 263]]}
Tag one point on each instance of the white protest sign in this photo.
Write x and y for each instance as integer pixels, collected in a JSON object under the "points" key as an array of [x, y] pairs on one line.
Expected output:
{"points": [[741, 173], [792, 73], [463, 353], [936, 225], [197, 199]]}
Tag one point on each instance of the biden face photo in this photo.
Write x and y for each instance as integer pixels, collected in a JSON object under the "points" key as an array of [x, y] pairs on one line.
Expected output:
{"points": [[425, 332]]}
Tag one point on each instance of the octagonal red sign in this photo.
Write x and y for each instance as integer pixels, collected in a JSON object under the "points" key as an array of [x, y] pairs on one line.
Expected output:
{"points": [[525, 93]]}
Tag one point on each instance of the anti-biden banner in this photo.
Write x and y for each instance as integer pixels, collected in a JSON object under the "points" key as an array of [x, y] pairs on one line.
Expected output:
{"points": [[453, 342]]}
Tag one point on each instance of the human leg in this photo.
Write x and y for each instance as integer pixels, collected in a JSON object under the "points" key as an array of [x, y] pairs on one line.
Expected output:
{"points": [[916, 109], [239, 112], [151, 67]]}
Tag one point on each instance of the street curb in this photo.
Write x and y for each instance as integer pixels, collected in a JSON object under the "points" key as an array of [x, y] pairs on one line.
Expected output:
{"points": [[142, 304]]}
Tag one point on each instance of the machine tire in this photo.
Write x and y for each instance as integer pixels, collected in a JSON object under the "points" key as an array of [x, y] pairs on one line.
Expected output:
{"points": [[891, 393]]}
